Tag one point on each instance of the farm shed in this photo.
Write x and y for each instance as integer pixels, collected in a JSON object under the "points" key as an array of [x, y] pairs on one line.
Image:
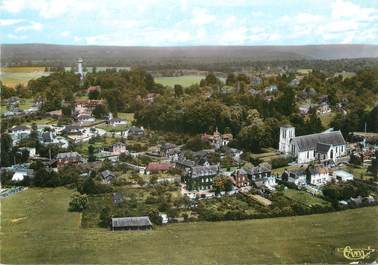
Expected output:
{"points": [[131, 223]]}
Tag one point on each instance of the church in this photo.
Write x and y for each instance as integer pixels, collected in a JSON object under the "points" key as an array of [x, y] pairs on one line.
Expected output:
{"points": [[325, 146]]}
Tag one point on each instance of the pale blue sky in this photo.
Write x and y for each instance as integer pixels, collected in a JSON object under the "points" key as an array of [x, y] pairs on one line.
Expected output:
{"points": [[189, 22]]}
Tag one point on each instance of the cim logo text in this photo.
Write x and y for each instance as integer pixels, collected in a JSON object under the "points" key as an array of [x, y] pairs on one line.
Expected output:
{"points": [[356, 253]]}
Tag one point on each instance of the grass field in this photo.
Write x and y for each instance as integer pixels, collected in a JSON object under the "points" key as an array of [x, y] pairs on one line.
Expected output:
{"points": [[12, 76], [37, 228], [185, 80], [358, 172], [126, 116], [101, 142], [327, 118], [304, 198], [25, 104]]}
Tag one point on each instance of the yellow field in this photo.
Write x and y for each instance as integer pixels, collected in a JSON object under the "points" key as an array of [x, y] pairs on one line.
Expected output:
{"points": [[22, 69], [12, 76]]}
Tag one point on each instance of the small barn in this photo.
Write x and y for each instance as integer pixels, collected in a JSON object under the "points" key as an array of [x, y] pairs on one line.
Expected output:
{"points": [[131, 223]]}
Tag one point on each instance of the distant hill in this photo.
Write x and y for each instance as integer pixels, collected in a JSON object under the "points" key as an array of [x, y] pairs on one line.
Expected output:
{"points": [[117, 55]]}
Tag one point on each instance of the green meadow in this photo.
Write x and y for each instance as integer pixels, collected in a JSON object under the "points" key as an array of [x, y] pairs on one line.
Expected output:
{"points": [[37, 228], [185, 80], [12, 76]]}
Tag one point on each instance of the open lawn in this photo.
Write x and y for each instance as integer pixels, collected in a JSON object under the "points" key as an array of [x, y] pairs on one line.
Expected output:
{"points": [[12, 76], [185, 80], [126, 116], [82, 148], [25, 103], [358, 172], [267, 155], [327, 118], [44, 121], [280, 170], [304, 198], [109, 128], [37, 228]]}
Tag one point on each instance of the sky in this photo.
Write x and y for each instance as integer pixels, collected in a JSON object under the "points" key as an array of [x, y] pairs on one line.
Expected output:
{"points": [[189, 22]]}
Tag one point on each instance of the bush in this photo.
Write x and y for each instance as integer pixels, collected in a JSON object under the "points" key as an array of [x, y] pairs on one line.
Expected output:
{"points": [[89, 186], [290, 185], [105, 217], [155, 217], [280, 162], [78, 202], [196, 144]]}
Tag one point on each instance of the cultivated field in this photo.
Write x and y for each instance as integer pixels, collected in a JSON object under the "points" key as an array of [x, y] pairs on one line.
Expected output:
{"points": [[12, 76], [37, 228]]}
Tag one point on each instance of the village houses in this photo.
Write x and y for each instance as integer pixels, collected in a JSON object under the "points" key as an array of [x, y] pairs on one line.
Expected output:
{"points": [[217, 139]]}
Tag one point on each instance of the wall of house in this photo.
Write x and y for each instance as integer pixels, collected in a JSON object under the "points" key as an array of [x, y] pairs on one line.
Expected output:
{"points": [[319, 179], [301, 180], [200, 183], [339, 150], [306, 156]]}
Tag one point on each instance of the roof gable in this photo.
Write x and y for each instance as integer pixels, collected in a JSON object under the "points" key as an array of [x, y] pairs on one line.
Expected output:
{"points": [[310, 142]]}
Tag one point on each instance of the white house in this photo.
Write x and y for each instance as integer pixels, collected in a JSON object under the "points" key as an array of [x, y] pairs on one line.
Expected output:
{"points": [[298, 177], [85, 119], [320, 176], [304, 109], [271, 89], [117, 122], [20, 174], [118, 148], [323, 108], [270, 182], [342, 175], [19, 129], [19, 132], [328, 145], [31, 150]]}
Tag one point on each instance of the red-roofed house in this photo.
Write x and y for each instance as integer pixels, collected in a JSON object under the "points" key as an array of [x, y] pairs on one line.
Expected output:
{"points": [[155, 167]]}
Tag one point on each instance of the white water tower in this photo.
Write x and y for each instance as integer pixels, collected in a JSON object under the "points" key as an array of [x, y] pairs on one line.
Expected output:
{"points": [[80, 68]]}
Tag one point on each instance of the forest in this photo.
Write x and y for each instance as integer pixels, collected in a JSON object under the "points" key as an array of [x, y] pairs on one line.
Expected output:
{"points": [[253, 119]]}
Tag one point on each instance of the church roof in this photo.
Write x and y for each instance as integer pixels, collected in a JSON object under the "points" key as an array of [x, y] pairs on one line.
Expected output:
{"points": [[310, 142], [322, 148]]}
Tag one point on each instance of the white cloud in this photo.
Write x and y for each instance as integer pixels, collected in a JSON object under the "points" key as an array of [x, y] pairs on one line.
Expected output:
{"points": [[234, 36], [201, 16], [16, 37], [10, 22], [120, 23], [229, 21], [184, 22], [347, 9], [65, 34], [77, 39], [345, 23], [32, 26], [13, 6], [201, 34]]}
